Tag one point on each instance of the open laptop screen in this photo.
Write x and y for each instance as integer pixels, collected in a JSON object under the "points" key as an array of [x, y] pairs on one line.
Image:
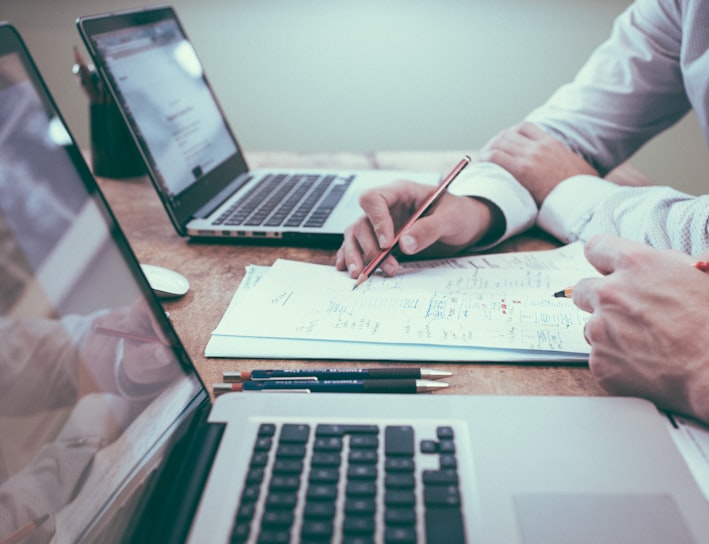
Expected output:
{"points": [[157, 79], [161, 85], [92, 378]]}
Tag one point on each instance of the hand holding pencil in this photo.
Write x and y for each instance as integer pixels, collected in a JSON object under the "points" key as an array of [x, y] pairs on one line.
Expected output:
{"points": [[648, 326], [415, 219]]}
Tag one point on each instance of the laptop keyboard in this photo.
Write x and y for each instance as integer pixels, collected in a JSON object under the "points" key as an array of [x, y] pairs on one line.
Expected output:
{"points": [[352, 484], [295, 200]]}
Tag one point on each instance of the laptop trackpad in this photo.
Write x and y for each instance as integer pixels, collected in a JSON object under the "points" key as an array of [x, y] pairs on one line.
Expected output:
{"points": [[611, 519]]}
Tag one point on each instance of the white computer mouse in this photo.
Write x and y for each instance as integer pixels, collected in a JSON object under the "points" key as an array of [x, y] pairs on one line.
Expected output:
{"points": [[165, 282]]}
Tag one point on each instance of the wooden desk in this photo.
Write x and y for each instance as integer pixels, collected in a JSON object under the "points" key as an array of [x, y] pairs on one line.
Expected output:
{"points": [[215, 270]]}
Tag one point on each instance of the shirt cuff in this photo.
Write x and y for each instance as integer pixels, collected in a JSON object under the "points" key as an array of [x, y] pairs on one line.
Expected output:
{"points": [[570, 206], [491, 182]]}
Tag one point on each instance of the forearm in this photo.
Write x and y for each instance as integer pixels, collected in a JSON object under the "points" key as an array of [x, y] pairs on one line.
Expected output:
{"points": [[661, 217], [630, 89]]}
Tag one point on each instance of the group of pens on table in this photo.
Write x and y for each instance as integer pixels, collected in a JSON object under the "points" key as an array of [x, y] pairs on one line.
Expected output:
{"points": [[335, 380]]}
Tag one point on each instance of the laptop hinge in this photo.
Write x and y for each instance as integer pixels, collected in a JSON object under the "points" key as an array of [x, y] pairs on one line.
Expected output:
{"points": [[168, 514]]}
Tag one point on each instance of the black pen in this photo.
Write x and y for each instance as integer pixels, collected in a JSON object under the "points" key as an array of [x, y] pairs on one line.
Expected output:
{"points": [[392, 373], [334, 386]]}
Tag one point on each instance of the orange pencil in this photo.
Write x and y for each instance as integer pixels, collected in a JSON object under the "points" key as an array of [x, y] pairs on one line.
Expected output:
{"points": [[425, 207]]}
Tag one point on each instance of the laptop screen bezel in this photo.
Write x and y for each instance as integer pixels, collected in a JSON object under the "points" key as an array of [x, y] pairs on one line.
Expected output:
{"points": [[181, 207]]}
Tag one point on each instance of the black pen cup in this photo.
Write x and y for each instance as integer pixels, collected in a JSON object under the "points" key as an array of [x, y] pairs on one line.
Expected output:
{"points": [[113, 151]]}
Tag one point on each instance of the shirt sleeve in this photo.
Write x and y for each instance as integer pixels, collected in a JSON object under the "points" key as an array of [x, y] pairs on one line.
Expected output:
{"points": [[661, 217], [629, 90], [491, 182]]}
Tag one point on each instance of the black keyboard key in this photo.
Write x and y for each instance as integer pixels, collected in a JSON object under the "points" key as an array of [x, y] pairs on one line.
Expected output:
{"points": [[319, 510], [399, 464], [445, 433], [277, 519], [254, 476], [444, 525], [398, 498], [399, 441], [284, 483], [263, 443], [294, 434], [363, 457], [320, 492], [280, 500], [288, 466], [324, 475], [441, 495], [316, 529], [440, 477], [364, 441], [240, 533], [400, 516], [429, 446], [259, 459], [341, 430], [250, 494], [448, 461], [360, 506], [407, 535], [362, 472], [293, 451], [324, 459], [399, 481], [361, 489], [363, 525], [331, 443], [274, 537]]}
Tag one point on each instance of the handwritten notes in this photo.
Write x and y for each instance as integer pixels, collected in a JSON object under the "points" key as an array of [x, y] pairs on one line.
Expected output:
{"points": [[500, 302]]}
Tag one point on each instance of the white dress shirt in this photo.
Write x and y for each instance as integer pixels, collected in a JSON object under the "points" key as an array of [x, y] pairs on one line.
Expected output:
{"points": [[652, 70]]}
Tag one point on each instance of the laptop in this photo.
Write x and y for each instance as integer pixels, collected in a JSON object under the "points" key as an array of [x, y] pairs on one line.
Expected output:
{"points": [[192, 155], [109, 435]]}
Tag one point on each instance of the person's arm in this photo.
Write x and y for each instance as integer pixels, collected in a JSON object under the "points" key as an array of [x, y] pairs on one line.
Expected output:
{"points": [[648, 328], [661, 217], [631, 88]]}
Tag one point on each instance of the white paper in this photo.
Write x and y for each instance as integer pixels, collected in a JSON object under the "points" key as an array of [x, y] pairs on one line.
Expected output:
{"points": [[490, 307]]}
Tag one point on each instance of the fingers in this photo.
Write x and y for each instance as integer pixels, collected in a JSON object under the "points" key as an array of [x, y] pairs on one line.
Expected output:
{"points": [[358, 247]]}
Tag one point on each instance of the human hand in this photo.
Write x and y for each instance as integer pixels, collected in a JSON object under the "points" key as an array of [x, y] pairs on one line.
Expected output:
{"points": [[454, 223], [537, 160], [146, 360], [648, 325]]}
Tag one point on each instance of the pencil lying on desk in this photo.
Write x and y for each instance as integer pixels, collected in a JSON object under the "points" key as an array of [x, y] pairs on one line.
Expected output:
{"points": [[333, 386], [338, 374], [423, 209], [702, 266]]}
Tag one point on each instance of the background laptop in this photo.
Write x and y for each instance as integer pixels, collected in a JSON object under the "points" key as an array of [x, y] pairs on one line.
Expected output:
{"points": [[108, 434], [191, 153]]}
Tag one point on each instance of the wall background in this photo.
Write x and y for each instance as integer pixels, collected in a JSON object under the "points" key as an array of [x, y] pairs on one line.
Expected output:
{"points": [[361, 75]]}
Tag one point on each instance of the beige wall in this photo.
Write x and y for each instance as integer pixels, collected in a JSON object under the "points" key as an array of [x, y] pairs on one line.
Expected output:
{"points": [[371, 74]]}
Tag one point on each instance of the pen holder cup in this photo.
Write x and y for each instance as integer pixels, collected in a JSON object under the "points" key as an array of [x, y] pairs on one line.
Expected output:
{"points": [[113, 151]]}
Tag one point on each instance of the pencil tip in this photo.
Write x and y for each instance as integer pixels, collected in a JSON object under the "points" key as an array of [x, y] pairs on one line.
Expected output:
{"points": [[360, 280], [560, 294]]}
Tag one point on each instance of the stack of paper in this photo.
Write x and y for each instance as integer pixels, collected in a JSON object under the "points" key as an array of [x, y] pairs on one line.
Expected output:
{"points": [[497, 307]]}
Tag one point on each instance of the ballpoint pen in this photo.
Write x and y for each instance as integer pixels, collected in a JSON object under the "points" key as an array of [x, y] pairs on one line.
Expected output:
{"points": [[702, 266], [338, 374], [334, 386], [423, 209]]}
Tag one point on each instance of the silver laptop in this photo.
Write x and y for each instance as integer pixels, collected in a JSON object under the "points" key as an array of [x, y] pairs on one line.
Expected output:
{"points": [[108, 434], [191, 153]]}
